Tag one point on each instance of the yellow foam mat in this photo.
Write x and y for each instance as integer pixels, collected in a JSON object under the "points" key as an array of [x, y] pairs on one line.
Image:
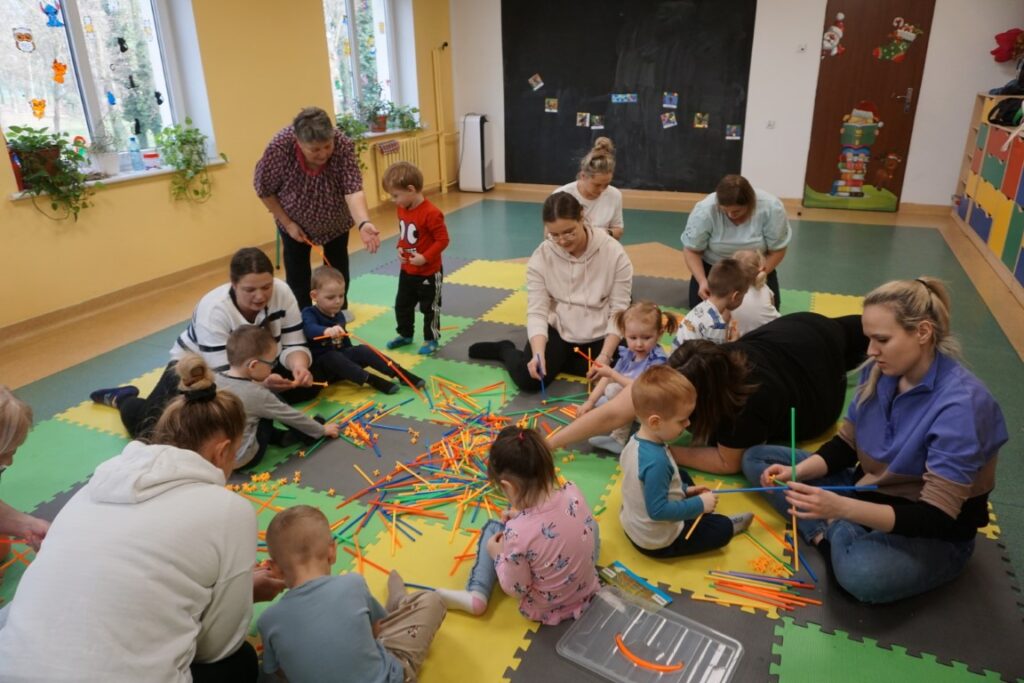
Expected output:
{"points": [[510, 311], [104, 418], [482, 273], [348, 393], [365, 313], [690, 573], [467, 648], [835, 305]]}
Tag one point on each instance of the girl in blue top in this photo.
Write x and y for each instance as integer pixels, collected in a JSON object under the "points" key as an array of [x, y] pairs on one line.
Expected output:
{"points": [[735, 217], [924, 430]]}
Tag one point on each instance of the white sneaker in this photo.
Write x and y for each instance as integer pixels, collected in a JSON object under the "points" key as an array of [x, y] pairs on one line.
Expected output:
{"points": [[606, 443], [741, 522], [349, 315]]}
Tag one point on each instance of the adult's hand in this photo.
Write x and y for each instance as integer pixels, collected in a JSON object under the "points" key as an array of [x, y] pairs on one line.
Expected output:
{"points": [[370, 235], [302, 376], [536, 367], [811, 502], [276, 383], [33, 530], [264, 586], [296, 232], [703, 292]]}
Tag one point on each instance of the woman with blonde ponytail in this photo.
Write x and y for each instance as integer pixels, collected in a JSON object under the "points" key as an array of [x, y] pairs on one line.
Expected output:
{"points": [[923, 430], [148, 571], [602, 203]]}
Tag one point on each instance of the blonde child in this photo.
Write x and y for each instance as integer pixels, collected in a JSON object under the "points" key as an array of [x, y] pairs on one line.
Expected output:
{"points": [[329, 627], [711, 319], [641, 326], [758, 306], [544, 548], [335, 357], [422, 236], [660, 502], [15, 423], [251, 352]]}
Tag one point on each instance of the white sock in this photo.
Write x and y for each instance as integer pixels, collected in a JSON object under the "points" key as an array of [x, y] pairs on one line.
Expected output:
{"points": [[464, 601]]}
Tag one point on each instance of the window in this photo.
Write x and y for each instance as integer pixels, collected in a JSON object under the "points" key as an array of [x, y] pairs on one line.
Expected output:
{"points": [[361, 52], [95, 68]]}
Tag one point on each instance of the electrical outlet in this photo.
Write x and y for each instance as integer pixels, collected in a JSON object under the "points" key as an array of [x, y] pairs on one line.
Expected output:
{"points": [[770, 125]]}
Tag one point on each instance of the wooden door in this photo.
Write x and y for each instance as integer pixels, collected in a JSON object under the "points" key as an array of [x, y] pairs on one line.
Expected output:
{"points": [[869, 83]]}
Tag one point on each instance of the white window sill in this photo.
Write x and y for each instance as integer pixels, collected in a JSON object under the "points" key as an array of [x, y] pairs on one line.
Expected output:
{"points": [[391, 131], [123, 177]]}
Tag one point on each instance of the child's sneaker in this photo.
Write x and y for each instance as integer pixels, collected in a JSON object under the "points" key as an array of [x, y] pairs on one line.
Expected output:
{"points": [[741, 522], [111, 397], [399, 341], [429, 347]]}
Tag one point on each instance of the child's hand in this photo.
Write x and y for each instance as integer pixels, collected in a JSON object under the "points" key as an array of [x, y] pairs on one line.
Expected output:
{"points": [[496, 544], [276, 382], [776, 474], [695, 490], [335, 331], [710, 501], [584, 408], [264, 586], [733, 333], [332, 430], [508, 514], [416, 260], [601, 370]]}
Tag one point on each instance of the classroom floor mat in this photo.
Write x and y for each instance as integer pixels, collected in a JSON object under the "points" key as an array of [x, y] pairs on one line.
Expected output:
{"points": [[483, 273]]}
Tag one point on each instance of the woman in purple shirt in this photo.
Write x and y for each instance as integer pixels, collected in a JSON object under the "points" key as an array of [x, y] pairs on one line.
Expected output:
{"points": [[309, 179], [922, 429]]}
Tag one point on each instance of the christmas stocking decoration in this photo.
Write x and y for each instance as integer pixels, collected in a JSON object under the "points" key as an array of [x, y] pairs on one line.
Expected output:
{"points": [[900, 39]]}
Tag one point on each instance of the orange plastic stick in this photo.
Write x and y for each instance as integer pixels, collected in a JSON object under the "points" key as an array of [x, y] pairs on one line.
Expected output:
{"points": [[643, 663], [772, 532]]}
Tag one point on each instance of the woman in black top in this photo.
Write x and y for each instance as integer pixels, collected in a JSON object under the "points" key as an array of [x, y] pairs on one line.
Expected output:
{"points": [[745, 389]]}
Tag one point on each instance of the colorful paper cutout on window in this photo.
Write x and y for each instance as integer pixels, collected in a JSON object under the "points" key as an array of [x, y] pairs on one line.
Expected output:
{"points": [[733, 132], [551, 105], [87, 25], [23, 39], [831, 40], [38, 108], [597, 122], [583, 119], [59, 70], [668, 120], [902, 36], [701, 119], [52, 12], [122, 44], [111, 100], [669, 100], [159, 97], [535, 82]]}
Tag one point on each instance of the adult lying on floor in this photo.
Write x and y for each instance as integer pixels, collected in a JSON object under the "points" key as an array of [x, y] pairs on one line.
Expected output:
{"points": [[924, 430], [745, 389]]}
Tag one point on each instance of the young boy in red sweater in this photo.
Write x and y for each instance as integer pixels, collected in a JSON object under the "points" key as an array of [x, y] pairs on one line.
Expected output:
{"points": [[422, 236]]}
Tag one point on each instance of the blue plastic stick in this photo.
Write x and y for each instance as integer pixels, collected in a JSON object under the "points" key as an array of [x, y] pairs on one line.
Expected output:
{"points": [[870, 487]]}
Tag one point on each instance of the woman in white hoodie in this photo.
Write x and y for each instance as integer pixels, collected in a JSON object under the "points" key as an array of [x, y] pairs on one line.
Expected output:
{"points": [[576, 281], [147, 572]]}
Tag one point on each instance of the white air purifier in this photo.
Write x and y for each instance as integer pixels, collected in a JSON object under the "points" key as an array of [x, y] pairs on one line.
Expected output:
{"points": [[476, 168]]}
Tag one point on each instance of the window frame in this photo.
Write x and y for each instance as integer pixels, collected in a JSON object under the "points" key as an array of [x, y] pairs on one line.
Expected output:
{"points": [[390, 19]]}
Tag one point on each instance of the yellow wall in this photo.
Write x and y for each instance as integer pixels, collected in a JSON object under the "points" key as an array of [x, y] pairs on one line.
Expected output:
{"points": [[261, 66]]}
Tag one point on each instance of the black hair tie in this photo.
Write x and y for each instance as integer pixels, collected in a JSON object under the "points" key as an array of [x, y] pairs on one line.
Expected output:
{"points": [[201, 395]]}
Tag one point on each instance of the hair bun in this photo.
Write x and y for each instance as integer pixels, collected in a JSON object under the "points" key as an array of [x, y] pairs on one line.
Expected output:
{"points": [[200, 395], [193, 374]]}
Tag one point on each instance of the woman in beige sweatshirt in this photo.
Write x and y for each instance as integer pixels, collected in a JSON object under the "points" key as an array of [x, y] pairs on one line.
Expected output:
{"points": [[576, 281]]}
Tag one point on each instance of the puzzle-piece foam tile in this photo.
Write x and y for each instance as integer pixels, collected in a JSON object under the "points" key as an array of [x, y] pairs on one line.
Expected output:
{"points": [[689, 574], [467, 648], [365, 312], [795, 300], [483, 273], [511, 311], [104, 418], [373, 289], [469, 375], [836, 305], [381, 330], [992, 530], [808, 654]]}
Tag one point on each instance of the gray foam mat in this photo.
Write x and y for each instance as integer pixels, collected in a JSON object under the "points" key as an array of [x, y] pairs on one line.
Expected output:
{"points": [[394, 267], [457, 348], [468, 301], [662, 290]]}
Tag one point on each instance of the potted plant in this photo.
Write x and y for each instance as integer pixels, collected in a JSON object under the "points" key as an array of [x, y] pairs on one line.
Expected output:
{"points": [[355, 130], [183, 148], [49, 165], [104, 155], [403, 118], [374, 110]]}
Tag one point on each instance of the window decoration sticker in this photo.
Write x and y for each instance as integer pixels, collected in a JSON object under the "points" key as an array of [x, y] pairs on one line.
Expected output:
{"points": [[52, 12], [38, 108], [597, 122], [23, 39], [59, 70]]}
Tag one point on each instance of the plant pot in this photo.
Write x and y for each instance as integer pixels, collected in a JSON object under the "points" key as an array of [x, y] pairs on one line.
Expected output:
{"points": [[19, 180], [32, 161], [107, 163], [379, 124]]}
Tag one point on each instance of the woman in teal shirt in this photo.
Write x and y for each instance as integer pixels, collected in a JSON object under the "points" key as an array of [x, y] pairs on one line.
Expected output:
{"points": [[735, 217]]}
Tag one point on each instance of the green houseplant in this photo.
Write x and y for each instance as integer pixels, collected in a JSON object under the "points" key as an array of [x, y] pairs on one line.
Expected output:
{"points": [[402, 117], [355, 130], [183, 148], [49, 165], [373, 109]]}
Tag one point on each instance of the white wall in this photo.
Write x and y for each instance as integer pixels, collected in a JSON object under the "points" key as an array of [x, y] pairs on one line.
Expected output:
{"points": [[477, 69], [782, 85]]}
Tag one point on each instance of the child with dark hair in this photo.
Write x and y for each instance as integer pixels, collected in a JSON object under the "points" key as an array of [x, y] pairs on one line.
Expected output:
{"points": [[546, 545], [711, 319], [335, 357]]}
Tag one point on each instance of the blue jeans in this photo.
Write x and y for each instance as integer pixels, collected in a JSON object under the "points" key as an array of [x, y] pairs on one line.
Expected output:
{"points": [[482, 578], [873, 566]]}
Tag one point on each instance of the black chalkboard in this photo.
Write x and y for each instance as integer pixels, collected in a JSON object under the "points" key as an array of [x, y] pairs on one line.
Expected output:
{"points": [[586, 50]]}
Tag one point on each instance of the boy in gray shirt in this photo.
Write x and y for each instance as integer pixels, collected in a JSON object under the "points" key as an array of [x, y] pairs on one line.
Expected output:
{"points": [[330, 628]]}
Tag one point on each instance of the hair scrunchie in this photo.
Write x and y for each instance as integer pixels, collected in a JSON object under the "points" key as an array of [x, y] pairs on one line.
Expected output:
{"points": [[201, 395]]}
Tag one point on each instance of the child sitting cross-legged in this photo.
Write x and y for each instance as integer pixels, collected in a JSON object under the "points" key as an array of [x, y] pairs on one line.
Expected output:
{"points": [[335, 357], [330, 628], [660, 502], [544, 549], [251, 352], [711, 319]]}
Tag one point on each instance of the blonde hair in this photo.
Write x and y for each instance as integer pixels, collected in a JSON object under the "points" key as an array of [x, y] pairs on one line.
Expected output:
{"points": [[15, 421], [658, 388], [600, 158], [650, 314], [913, 302], [752, 261], [728, 276], [297, 536], [201, 412], [324, 275]]}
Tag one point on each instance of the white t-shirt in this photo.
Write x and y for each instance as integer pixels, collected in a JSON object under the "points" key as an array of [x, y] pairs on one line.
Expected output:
{"points": [[758, 308], [601, 213]]}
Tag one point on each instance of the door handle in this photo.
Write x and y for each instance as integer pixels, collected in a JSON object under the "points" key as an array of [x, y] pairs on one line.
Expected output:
{"points": [[908, 99]]}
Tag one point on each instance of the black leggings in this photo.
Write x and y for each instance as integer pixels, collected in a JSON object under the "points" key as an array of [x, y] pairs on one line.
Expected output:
{"points": [[558, 357], [714, 531], [348, 363], [242, 666], [297, 269], [773, 284]]}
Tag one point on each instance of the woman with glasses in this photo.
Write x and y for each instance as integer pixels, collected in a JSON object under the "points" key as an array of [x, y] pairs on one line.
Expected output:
{"points": [[602, 203], [734, 217], [252, 297], [576, 280]]}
